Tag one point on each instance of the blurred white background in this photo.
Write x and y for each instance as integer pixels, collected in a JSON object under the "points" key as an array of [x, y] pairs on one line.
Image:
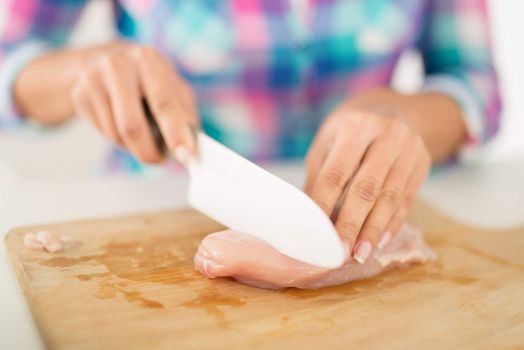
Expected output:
{"points": [[508, 28], [54, 154]]}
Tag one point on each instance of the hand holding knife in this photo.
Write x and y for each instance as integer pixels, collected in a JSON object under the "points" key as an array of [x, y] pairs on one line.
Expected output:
{"points": [[181, 153]]}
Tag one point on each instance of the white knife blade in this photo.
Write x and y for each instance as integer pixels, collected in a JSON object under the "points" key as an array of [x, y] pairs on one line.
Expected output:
{"points": [[244, 197]]}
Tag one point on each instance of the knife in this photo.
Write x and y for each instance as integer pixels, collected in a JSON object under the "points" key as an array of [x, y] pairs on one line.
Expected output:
{"points": [[246, 198]]}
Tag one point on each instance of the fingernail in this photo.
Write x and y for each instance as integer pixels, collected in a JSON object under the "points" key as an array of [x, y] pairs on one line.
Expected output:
{"points": [[182, 155], [386, 237], [362, 252]]}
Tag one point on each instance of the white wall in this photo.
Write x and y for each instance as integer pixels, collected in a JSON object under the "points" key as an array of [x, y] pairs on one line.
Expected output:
{"points": [[75, 150], [508, 27]]}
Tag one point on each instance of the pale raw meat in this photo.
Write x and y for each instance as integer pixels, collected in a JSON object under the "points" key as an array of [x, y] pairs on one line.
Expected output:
{"points": [[254, 262], [46, 241], [31, 242]]}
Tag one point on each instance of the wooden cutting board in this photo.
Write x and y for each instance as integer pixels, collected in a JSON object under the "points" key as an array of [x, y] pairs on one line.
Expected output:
{"points": [[131, 285]]}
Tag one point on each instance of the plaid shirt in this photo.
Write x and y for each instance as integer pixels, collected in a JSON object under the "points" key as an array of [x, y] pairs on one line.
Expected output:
{"points": [[267, 72]]}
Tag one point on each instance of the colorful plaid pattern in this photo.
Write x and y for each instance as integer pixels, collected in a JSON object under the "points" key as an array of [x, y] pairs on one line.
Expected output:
{"points": [[266, 75]]}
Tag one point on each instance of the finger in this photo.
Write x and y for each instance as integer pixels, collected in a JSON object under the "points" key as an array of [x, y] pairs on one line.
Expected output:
{"points": [[416, 180], [102, 108], [399, 217], [341, 163], [366, 186], [170, 100], [317, 153], [82, 105], [374, 230], [123, 88]]}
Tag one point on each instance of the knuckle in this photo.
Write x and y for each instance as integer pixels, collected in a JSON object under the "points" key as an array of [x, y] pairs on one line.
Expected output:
{"points": [[144, 53], [366, 189], [372, 124], [83, 77], [131, 130], [391, 198], [348, 228], [372, 232], [89, 78], [411, 145], [351, 119], [109, 62], [357, 120], [334, 177], [397, 131], [399, 127], [164, 105], [371, 119]]}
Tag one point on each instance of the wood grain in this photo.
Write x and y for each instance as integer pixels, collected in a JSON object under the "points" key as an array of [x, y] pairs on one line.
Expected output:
{"points": [[131, 285]]}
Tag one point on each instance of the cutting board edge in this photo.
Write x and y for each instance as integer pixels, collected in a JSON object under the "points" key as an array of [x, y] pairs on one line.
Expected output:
{"points": [[25, 286]]}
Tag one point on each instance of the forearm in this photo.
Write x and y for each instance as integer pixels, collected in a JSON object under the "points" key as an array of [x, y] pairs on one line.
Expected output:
{"points": [[436, 117], [42, 89]]}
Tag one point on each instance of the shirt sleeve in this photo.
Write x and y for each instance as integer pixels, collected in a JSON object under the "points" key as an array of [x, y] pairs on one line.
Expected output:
{"points": [[456, 50], [28, 29]]}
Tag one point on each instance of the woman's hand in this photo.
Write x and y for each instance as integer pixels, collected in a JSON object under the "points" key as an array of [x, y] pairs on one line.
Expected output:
{"points": [[372, 165], [109, 90]]}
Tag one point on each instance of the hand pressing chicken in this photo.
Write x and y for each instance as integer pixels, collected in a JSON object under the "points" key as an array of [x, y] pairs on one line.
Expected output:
{"points": [[254, 262], [370, 158]]}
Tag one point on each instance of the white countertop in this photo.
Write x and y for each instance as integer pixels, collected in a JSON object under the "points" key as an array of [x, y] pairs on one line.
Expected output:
{"points": [[488, 195]]}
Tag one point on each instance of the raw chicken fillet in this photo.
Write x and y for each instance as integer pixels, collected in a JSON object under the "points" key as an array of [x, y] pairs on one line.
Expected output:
{"points": [[254, 262], [49, 242]]}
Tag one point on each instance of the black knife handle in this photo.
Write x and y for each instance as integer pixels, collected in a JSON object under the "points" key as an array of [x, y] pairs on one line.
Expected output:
{"points": [[155, 130]]}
